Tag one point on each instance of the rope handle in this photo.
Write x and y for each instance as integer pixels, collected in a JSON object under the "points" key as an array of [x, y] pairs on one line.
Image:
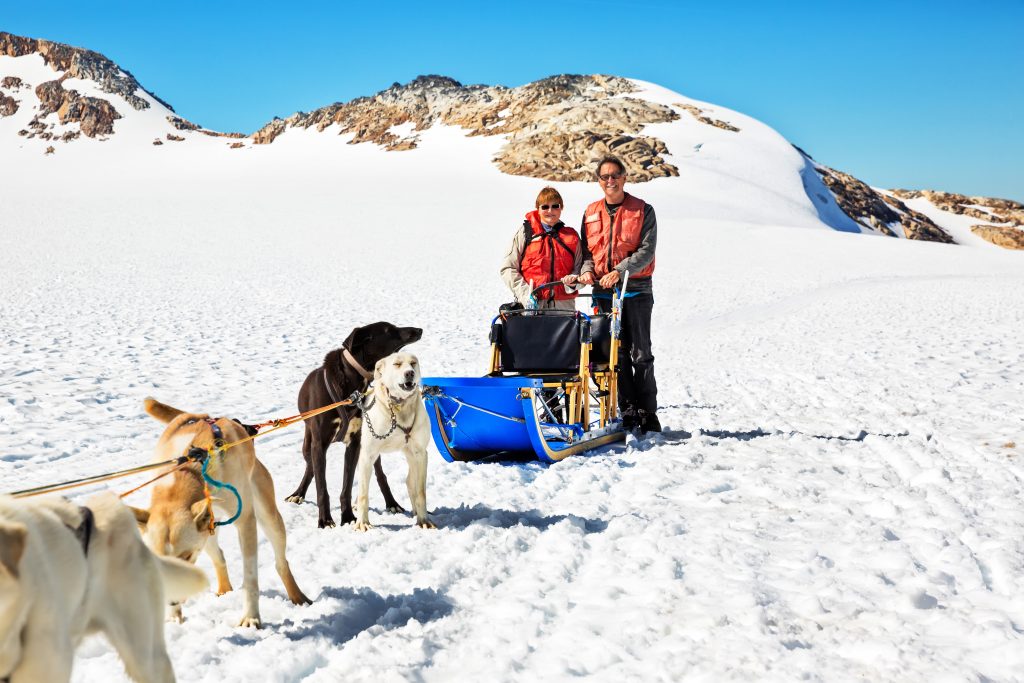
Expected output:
{"points": [[178, 462], [207, 479]]}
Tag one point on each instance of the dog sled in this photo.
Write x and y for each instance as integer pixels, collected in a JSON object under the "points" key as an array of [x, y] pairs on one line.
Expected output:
{"points": [[551, 389]]}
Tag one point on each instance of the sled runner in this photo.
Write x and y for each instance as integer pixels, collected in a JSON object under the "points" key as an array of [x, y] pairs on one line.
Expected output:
{"points": [[550, 391]]}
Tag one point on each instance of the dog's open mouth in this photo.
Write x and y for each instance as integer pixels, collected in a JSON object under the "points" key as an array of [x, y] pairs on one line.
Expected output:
{"points": [[407, 386]]}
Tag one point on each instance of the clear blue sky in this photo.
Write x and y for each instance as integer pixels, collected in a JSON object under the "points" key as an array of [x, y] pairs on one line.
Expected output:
{"points": [[900, 94]]}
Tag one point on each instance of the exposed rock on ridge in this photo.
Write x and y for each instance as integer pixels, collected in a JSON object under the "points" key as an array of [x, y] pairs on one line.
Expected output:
{"points": [[8, 105], [96, 116], [698, 114], [555, 127], [988, 209], [878, 211], [1006, 214], [79, 63]]}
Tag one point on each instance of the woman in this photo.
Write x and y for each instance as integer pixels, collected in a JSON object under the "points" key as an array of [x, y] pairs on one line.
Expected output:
{"points": [[544, 250]]}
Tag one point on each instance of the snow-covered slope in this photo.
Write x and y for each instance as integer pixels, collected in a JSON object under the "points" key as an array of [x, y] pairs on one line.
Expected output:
{"points": [[69, 102], [837, 496]]}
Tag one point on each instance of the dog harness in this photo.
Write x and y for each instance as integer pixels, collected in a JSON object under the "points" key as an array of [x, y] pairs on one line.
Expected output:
{"points": [[394, 421], [83, 532]]}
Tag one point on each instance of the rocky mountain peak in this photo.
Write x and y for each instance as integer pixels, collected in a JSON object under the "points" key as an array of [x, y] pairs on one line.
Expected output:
{"points": [[76, 62], [554, 128]]}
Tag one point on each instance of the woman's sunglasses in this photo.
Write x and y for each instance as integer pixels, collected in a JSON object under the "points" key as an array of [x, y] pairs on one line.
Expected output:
{"points": [[545, 207]]}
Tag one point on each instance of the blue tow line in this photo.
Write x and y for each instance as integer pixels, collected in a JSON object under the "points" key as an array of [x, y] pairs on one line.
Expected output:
{"points": [[223, 485], [627, 295]]}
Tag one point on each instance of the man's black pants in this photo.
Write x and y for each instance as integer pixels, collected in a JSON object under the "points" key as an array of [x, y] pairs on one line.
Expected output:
{"points": [[637, 387]]}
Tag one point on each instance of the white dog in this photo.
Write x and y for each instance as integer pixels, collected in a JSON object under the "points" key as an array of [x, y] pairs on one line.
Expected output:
{"points": [[394, 419], [67, 571]]}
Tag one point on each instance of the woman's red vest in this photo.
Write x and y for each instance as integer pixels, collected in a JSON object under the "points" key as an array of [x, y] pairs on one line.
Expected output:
{"points": [[623, 236], [548, 256]]}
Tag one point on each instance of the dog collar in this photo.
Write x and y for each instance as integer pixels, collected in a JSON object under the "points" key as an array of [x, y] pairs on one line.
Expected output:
{"points": [[355, 364]]}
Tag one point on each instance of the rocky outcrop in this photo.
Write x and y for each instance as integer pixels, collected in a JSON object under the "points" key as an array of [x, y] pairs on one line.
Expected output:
{"points": [[877, 211], [570, 156], [181, 124], [988, 209], [96, 116], [1001, 236], [79, 63], [8, 105], [10, 83], [698, 114], [269, 132], [1004, 218], [555, 128]]}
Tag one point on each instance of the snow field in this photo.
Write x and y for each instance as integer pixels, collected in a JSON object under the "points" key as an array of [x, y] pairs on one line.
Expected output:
{"points": [[837, 494]]}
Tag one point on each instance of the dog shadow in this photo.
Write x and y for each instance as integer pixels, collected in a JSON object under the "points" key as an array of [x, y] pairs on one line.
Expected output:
{"points": [[463, 517], [361, 608]]}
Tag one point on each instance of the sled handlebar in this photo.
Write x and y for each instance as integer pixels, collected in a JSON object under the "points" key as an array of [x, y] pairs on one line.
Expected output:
{"points": [[544, 286], [558, 282]]}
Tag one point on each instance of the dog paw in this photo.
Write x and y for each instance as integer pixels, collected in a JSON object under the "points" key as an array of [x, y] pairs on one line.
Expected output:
{"points": [[174, 614], [426, 524], [347, 517], [326, 523], [363, 526], [250, 622], [298, 500], [396, 509]]}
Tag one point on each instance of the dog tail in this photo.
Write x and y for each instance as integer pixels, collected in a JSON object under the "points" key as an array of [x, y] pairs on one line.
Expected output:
{"points": [[181, 579]]}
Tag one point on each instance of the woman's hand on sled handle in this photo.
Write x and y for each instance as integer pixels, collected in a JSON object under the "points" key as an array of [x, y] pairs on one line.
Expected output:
{"points": [[586, 278]]}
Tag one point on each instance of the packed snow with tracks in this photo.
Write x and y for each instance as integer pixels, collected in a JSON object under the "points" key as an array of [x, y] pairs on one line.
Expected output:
{"points": [[837, 494]]}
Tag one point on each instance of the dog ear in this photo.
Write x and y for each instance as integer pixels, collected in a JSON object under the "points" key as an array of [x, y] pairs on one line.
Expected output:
{"points": [[12, 546], [164, 413], [378, 369], [202, 514], [141, 517]]}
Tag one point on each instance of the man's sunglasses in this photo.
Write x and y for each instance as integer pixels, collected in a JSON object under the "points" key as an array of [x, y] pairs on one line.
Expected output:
{"points": [[608, 176], [545, 207]]}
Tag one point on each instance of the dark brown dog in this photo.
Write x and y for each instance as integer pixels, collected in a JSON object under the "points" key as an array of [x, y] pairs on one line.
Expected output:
{"points": [[345, 370]]}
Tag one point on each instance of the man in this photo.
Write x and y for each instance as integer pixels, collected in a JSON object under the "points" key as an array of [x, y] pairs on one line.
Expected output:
{"points": [[619, 234]]}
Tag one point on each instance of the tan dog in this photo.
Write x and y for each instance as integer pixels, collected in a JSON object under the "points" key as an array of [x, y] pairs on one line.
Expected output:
{"points": [[67, 571], [394, 419], [178, 520]]}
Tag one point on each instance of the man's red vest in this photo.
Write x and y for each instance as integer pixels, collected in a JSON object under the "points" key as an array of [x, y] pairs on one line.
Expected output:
{"points": [[623, 236], [548, 257]]}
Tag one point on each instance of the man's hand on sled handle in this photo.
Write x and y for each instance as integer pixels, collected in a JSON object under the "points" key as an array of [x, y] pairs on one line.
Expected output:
{"points": [[609, 279], [586, 278]]}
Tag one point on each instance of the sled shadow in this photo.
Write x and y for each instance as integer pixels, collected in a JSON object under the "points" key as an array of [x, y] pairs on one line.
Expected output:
{"points": [[748, 435], [362, 608], [759, 433], [463, 517]]}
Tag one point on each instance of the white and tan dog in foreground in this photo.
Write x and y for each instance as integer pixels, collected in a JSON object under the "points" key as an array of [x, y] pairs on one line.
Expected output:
{"points": [[395, 419], [67, 571], [178, 521]]}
